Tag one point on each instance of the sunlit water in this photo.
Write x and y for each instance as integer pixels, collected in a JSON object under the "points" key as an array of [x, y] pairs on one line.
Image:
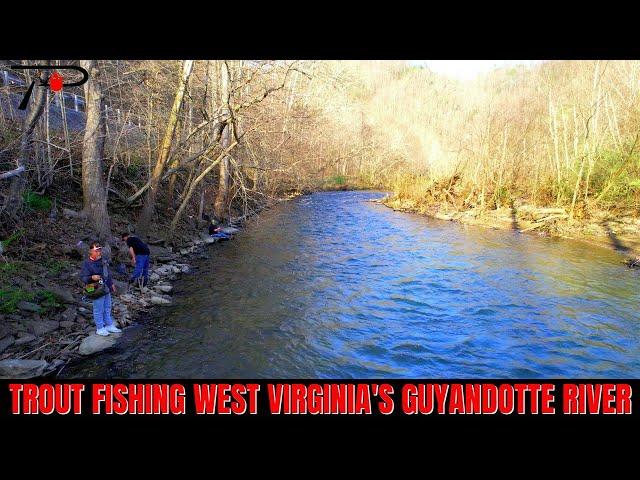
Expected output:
{"points": [[332, 286]]}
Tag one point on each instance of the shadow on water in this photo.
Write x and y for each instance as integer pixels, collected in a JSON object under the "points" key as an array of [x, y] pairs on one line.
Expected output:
{"points": [[615, 241], [514, 219], [333, 286]]}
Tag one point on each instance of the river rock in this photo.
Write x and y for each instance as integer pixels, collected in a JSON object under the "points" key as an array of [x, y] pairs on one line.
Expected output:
{"points": [[154, 277], [66, 324], [207, 239], [158, 251], [14, 368], [6, 342], [163, 288], [72, 214], [41, 327], [28, 306], [184, 251], [69, 315], [157, 300], [60, 294], [229, 230], [163, 270], [7, 329], [185, 268], [26, 338], [55, 364], [96, 343]]}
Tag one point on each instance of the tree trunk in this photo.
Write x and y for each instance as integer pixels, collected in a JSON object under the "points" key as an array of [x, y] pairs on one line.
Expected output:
{"points": [[224, 180], [222, 196], [14, 199], [175, 162], [163, 153], [93, 188]]}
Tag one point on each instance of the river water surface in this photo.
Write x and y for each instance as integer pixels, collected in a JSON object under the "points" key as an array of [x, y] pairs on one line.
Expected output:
{"points": [[332, 286]]}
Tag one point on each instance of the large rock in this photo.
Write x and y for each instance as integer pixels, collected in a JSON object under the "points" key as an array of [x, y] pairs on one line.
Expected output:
{"points": [[96, 343], [28, 306], [229, 230], [163, 288], [206, 238], [61, 294], [6, 342], [154, 277], [72, 213], [22, 368], [158, 251], [41, 327], [7, 329], [26, 338], [69, 315], [163, 270], [157, 300]]}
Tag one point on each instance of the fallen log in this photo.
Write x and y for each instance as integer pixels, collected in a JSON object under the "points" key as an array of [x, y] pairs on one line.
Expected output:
{"points": [[528, 229], [12, 173]]}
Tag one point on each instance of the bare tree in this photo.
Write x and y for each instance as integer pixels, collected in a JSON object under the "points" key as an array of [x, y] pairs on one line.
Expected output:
{"points": [[14, 199], [93, 186], [221, 203], [165, 147]]}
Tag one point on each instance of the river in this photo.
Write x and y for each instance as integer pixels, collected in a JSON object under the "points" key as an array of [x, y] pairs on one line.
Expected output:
{"points": [[333, 286]]}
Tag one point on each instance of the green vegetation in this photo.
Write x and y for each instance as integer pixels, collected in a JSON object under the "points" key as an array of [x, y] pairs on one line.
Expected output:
{"points": [[8, 270], [11, 296], [12, 238], [337, 180], [37, 202], [47, 300], [55, 265]]}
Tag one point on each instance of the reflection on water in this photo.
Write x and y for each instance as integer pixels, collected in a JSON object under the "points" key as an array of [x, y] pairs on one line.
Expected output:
{"points": [[332, 286]]}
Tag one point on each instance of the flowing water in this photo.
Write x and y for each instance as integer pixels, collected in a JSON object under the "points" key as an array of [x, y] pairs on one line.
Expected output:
{"points": [[332, 286]]}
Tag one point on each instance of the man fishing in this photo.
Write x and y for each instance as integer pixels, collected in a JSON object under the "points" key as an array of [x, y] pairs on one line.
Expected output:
{"points": [[95, 271]]}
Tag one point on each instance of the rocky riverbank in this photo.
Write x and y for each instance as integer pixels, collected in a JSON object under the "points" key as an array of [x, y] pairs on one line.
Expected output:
{"points": [[620, 233], [45, 322]]}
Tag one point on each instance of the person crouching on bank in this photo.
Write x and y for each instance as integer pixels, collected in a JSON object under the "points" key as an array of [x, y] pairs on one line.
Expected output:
{"points": [[139, 253], [95, 269]]}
